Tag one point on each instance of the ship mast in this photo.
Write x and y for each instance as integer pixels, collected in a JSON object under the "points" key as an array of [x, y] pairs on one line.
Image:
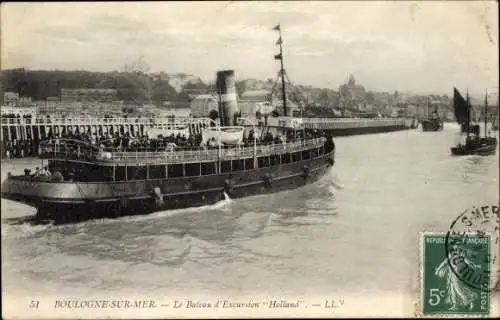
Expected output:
{"points": [[428, 107], [485, 112], [468, 115], [282, 70]]}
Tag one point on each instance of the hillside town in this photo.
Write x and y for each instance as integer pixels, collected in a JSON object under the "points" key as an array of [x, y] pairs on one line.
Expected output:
{"points": [[137, 92]]}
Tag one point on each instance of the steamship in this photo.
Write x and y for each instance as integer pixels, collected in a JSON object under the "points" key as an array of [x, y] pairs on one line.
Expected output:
{"points": [[88, 181], [433, 122]]}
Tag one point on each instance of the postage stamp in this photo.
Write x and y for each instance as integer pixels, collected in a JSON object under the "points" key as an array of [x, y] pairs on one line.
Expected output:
{"points": [[455, 280]]}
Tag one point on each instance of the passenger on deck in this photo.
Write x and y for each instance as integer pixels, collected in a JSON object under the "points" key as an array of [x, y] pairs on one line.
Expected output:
{"points": [[212, 142], [58, 177], [36, 173], [45, 172]]}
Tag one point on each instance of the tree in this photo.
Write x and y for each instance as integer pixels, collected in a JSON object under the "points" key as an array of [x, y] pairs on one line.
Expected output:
{"points": [[240, 87], [162, 92], [142, 85]]}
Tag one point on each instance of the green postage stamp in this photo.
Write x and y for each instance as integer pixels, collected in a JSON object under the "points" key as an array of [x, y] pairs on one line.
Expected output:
{"points": [[455, 274]]}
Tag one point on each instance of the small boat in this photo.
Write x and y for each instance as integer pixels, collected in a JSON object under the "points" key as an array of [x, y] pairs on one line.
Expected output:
{"points": [[227, 135], [433, 122], [474, 143], [432, 125]]}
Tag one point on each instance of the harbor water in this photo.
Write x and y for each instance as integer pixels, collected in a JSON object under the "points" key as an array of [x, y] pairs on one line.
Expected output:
{"points": [[352, 235]]}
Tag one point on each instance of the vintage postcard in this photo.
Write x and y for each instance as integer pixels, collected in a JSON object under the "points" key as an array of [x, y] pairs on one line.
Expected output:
{"points": [[234, 159]]}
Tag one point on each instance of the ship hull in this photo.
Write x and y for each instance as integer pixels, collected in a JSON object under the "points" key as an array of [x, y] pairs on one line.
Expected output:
{"points": [[69, 202], [486, 148], [432, 125]]}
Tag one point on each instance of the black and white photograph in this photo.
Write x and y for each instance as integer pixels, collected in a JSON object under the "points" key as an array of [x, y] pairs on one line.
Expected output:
{"points": [[250, 159]]}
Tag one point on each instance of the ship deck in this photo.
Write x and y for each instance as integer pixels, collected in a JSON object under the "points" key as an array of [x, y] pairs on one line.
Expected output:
{"points": [[73, 150]]}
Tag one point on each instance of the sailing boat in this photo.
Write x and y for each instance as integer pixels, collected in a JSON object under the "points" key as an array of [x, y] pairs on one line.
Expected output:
{"points": [[494, 123], [433, 122], [474, 143]]}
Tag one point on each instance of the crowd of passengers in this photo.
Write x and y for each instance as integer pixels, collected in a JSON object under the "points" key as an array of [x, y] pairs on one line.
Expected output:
{"points": [[43, 174], [30, 116], [16, 116], [127, 143], [144, 143]]}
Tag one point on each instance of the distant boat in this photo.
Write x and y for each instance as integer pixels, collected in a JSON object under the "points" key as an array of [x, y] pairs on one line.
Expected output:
{"points": [[433, 122], [474, 143]]}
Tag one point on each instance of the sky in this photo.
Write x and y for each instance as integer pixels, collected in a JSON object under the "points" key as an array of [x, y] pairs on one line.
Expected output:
{"points": [[421, 47]]}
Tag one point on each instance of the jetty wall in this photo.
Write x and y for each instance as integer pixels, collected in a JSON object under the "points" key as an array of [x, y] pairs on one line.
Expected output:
{"points": [[26, 132], [348, 126]]}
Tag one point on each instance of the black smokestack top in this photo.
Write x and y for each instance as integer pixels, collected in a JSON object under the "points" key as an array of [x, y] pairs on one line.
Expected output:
{"points": [[226, 89]]}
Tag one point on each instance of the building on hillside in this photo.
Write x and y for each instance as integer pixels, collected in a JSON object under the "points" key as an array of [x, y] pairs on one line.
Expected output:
{"points": [[252, 101], [411, 110], [179, 80], [77, 108], [366, 107], [88, 95], [13, 99], [173, 112], [351, 91], [265, 102], [105, 108], [59, 107], [10, 98], [21, 111]]}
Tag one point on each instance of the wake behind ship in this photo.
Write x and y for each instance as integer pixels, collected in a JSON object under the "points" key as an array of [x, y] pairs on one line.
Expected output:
{"points": [[81, 180]]}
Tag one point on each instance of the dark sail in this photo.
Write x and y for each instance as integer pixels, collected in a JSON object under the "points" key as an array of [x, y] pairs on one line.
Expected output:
{"points": [[461, 108]]}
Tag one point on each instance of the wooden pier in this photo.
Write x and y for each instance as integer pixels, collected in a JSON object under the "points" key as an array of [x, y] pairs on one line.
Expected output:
{"points": [[40, 127]]}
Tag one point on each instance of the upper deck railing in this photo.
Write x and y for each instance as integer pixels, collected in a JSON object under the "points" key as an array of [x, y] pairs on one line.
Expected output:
{"points": [[87, 121], [65, 149], [341, 123], [309, 123]]}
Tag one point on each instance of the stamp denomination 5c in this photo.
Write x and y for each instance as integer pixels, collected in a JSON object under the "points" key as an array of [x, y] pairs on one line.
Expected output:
{"points": [[455, 281]]}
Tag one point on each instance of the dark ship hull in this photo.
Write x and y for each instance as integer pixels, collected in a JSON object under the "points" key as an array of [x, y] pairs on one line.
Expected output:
{"points": [[76, 201], [432, 125], [483, 147]]}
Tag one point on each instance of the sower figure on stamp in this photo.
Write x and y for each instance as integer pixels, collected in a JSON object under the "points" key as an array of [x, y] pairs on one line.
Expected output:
{"points": [[458, 293]]}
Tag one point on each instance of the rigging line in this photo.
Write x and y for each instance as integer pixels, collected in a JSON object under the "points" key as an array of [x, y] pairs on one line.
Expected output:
{"points": [[296, 92], [275, 85]]}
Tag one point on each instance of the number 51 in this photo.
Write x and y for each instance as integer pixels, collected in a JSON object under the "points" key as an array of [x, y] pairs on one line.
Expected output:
{"points": [[34, 304]]}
